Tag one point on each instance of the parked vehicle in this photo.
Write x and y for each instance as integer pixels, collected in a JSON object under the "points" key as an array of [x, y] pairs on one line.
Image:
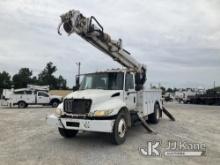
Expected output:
{"points": [[183, 96], [168, 97], [209, 98], [109, 101], [31, 96], [106, 102]]}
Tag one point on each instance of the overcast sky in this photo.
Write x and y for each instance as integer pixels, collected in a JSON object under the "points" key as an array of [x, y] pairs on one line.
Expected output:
{"points": [[179, 41]]}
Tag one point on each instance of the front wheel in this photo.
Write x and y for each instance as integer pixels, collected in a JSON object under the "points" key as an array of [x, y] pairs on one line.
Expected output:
{"points": [[118, 136], [67, 133]]}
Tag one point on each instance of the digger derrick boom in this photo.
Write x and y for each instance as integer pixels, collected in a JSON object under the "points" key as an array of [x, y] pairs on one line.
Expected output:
{"points": [[92, 31]]}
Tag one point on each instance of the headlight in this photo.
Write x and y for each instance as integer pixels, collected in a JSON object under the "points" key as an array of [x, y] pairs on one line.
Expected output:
{"points": [[103, 113], [58, 111]]}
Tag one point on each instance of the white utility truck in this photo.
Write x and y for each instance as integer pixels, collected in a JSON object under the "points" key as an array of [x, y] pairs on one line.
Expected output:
{"points": [[109, 101], [32, 95]]}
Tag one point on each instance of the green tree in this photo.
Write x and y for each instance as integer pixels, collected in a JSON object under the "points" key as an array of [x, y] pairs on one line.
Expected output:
{"points": [[46, 77], [5, 81], [170, 90], [61, 83], [175, 89], [34, 80], [163, 90], [153, 87], [22, 78]]}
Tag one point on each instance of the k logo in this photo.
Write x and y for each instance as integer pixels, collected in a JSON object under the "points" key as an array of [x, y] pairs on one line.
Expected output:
{"points": [[152, 149]]}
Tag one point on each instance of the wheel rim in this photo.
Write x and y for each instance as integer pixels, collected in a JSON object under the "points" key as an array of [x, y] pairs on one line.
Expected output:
{"points": [[121, 128], [22, 105], [55, 104]]}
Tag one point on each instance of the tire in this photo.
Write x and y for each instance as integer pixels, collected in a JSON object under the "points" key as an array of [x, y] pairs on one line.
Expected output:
{"points": [[54, 103], [155, 117], [67, 133], [22, 104], [118, 136]]}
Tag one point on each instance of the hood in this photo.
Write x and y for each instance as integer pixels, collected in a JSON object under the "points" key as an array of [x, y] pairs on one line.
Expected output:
{"points": [[91, 93], [97, 96]]}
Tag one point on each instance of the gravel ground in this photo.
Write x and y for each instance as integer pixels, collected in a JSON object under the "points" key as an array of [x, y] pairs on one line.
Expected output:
{"points": [[26, 139]]}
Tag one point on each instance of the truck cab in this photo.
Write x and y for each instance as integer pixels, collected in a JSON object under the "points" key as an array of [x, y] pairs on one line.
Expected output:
{"points": [[105, 102], [107, 87]]}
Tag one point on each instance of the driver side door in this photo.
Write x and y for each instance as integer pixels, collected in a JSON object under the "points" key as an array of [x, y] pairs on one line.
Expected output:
{"points": [[130, 93], [43, 98]]}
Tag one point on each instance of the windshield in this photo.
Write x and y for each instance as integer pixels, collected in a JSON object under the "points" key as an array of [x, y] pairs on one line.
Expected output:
{"points": [[106, 81]]}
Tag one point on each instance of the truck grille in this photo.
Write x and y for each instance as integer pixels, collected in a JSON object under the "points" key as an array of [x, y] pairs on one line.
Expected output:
{"points": [[77, 106]]}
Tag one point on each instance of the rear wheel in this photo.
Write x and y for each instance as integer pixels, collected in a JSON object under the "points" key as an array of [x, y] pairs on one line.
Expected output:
{"points": [[118, 136], [67, 133], [154, 117], [22, 104]]}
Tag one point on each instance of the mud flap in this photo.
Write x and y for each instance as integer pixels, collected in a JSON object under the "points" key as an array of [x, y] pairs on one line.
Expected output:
{"points": [[145, 125], [169, 115]]}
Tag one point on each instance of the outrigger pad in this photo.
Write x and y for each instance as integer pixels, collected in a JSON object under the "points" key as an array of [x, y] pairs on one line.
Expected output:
{"points": [[145, 125], [168, 114]]}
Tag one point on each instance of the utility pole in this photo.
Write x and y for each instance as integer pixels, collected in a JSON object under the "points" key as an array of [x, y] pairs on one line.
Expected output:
{"points": [[214, 84], [78, 75], [78, 63]]}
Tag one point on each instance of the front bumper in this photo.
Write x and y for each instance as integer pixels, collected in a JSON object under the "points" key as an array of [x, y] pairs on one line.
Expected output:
{"points": [[81, 124]]}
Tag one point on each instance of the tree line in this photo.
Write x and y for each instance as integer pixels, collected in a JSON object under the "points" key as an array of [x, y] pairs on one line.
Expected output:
{"points": [[165, 90], [25, 76]]}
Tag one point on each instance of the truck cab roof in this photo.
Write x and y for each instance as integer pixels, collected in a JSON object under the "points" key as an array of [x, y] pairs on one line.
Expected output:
{"points": [[110, 71]]}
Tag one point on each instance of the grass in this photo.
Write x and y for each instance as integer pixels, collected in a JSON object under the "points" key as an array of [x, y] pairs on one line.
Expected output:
{"points": [[60, 92]]}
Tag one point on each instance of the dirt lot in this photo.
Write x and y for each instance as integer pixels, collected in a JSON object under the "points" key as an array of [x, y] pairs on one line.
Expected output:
{"points": [[27, 139], [60, 92]]}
